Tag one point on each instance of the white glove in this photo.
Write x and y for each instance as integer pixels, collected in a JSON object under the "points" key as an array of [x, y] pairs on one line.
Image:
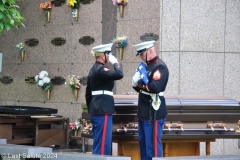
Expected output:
{"points": [[112, 59], [135, 78]]}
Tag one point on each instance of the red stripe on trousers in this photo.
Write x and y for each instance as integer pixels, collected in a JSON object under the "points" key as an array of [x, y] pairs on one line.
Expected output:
{"points": [[104, 133], [155, 138]]}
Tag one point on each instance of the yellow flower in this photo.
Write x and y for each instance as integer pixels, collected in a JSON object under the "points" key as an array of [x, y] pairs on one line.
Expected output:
{"points": [[120, 39], [71, 3]]}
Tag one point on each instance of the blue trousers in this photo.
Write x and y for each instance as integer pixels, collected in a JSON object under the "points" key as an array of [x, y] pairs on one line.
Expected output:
{"points": [[150, 140], [102, 134]]}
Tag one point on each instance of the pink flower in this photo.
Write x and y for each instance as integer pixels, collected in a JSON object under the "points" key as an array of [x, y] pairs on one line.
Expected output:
{"points": [[120, 2], [72, 126]]}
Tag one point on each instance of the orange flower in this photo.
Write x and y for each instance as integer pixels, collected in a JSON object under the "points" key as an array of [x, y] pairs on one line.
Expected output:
{"points": [[45, 5]]}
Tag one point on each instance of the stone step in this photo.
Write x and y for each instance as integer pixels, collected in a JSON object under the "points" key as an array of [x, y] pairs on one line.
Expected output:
{"points": [[213, 157], [12, 151], [83, 156]]}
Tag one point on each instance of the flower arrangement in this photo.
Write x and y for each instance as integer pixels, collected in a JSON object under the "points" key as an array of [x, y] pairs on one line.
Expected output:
{"points": [[74, 126], [43, 80], [73, 82], [73, 3], [46, 6], [20, 46], [120, 2], [120, 42]]}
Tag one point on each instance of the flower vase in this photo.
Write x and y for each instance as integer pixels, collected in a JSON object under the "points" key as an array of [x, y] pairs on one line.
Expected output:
{"points": [[48, 12], [121, 10], [22, 52], [120, 51], [48, 93], [77, 14], [75, 132], [75, 91]]}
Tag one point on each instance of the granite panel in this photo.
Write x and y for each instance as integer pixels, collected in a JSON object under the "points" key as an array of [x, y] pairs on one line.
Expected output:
{"points": [[216, 148], [202, 25], [203, 148], [38, 53], [61, 15], [124, 86], [136, 9], [90, 13], [59, 54], [30, 91], [109, 21], [82, 53], [133, 35], [9, 40], [9, 91], [201, 73], [36, 16], [172, 61], [232, 75], [232, 26], [231, 147], [170, 25], [73, 111]]}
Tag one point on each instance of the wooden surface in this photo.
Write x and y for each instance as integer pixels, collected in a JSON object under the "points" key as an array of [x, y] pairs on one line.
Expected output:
{"points": [[129, 149], [49, 136], [6, 132], [37, 130], [171, 148]]}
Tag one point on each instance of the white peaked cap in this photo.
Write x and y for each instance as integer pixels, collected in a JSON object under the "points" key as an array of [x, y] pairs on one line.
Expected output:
{"points": [[103, 48], [141, 47]]}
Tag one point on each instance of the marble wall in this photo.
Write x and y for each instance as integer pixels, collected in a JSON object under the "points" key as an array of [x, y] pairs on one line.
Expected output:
{"points": [[198, 40], [200, 44]]}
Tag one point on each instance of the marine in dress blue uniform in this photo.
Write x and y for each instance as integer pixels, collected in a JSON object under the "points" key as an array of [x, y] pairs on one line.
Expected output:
{"points": [[99, 97], [152, 110]]}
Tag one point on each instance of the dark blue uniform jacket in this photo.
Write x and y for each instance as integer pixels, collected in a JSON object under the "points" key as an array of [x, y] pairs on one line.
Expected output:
{"points": [[145, 109], [101, 79]]}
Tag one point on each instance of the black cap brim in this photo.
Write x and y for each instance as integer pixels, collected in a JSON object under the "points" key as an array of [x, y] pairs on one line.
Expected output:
{"points": [[108, 52], [141, 51]]}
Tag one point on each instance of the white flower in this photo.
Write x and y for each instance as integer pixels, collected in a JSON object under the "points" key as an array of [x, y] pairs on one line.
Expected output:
{"points": [[43, 74], [40, 82], [36, 78], [77, 123], [46, 80]]}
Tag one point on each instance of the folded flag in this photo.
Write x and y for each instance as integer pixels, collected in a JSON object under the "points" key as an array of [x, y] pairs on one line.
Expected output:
{"points": [[142, 68]]}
